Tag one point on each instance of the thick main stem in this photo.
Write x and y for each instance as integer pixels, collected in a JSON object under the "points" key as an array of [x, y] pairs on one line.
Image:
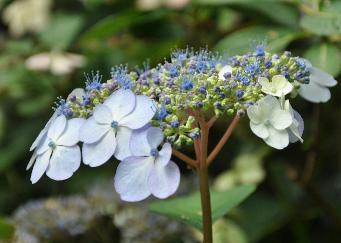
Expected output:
{"points": [[204, 183]]}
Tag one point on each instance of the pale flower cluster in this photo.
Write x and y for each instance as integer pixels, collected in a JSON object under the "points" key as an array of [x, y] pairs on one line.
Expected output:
{"points": [[143, 170], [273, 119]]}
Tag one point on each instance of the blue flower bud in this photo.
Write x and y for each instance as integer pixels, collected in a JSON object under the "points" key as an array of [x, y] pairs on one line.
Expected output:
{"points": [[239, 94], [187, 84], [175, 124], [202, 89]]}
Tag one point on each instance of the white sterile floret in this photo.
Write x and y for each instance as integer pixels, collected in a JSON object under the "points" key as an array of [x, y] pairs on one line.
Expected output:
{"points": [[224, 72], [58, 153], [108, 131], [317, 90], [149, 170], [296, 129], [278, 86], [269, 122]]}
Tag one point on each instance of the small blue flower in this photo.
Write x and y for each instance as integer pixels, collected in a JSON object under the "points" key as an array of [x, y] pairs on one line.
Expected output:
{"points": [[175, 124], [239, 94], [187, 84], [162, 113], [93, 81], [268, 64], [173, 71], [86, 100], [259, 51], [202, 89], [245, 80], [199, 104], [194, 135], [167, 100], [252, 69], [121, 76]]}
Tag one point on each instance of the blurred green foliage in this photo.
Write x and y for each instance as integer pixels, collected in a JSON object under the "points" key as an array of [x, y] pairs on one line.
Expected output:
{"points": [[299, 199]]}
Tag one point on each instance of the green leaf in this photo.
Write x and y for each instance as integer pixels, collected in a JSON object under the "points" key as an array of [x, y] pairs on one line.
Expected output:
{"points": [[332, 7], [322, 23], [326, 57], [116, 23], [62, 30], [6, 230], [239, 42], [188, 209], [277, 10], [219, 2]]}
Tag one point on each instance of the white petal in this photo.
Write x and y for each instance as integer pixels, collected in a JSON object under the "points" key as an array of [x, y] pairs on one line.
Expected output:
{"points": [[226, 69], [64, 162], [139, 145], [131, 178], [32, 160], [141, 115], [43, 146], [281, 85], [296, 129], [78, 92], [70, 136], [123, 136], [57, 127], [259, 129], [322, 78], [40, 166], [164, 180], [264, 82], [96, 154], [164, 154], [121, 103], [38, 139], [255, 114], [277, 139], [281, 119], [154, 136], [91, 131], [314, 93], [102, 114], [268, 104]]}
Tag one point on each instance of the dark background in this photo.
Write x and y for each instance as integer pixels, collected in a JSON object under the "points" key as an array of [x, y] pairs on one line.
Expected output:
{"points": [[299, 194]]}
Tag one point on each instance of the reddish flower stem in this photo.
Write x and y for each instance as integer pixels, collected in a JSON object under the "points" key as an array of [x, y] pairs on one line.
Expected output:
{"points": [[185, 158], [223, 140]]}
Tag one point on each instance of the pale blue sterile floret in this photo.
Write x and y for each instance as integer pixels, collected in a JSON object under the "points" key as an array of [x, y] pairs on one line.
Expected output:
{"points": [[148, 171]]}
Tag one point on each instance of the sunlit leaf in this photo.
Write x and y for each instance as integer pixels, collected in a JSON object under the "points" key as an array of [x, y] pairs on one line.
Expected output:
{"points": [[241, 41], [188, 209], [322, 23]]}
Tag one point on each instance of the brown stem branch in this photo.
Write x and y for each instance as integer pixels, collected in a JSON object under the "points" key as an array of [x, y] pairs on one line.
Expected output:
{"points": [[203, 181], [223, 139], [185, 158], [211, 122]]}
